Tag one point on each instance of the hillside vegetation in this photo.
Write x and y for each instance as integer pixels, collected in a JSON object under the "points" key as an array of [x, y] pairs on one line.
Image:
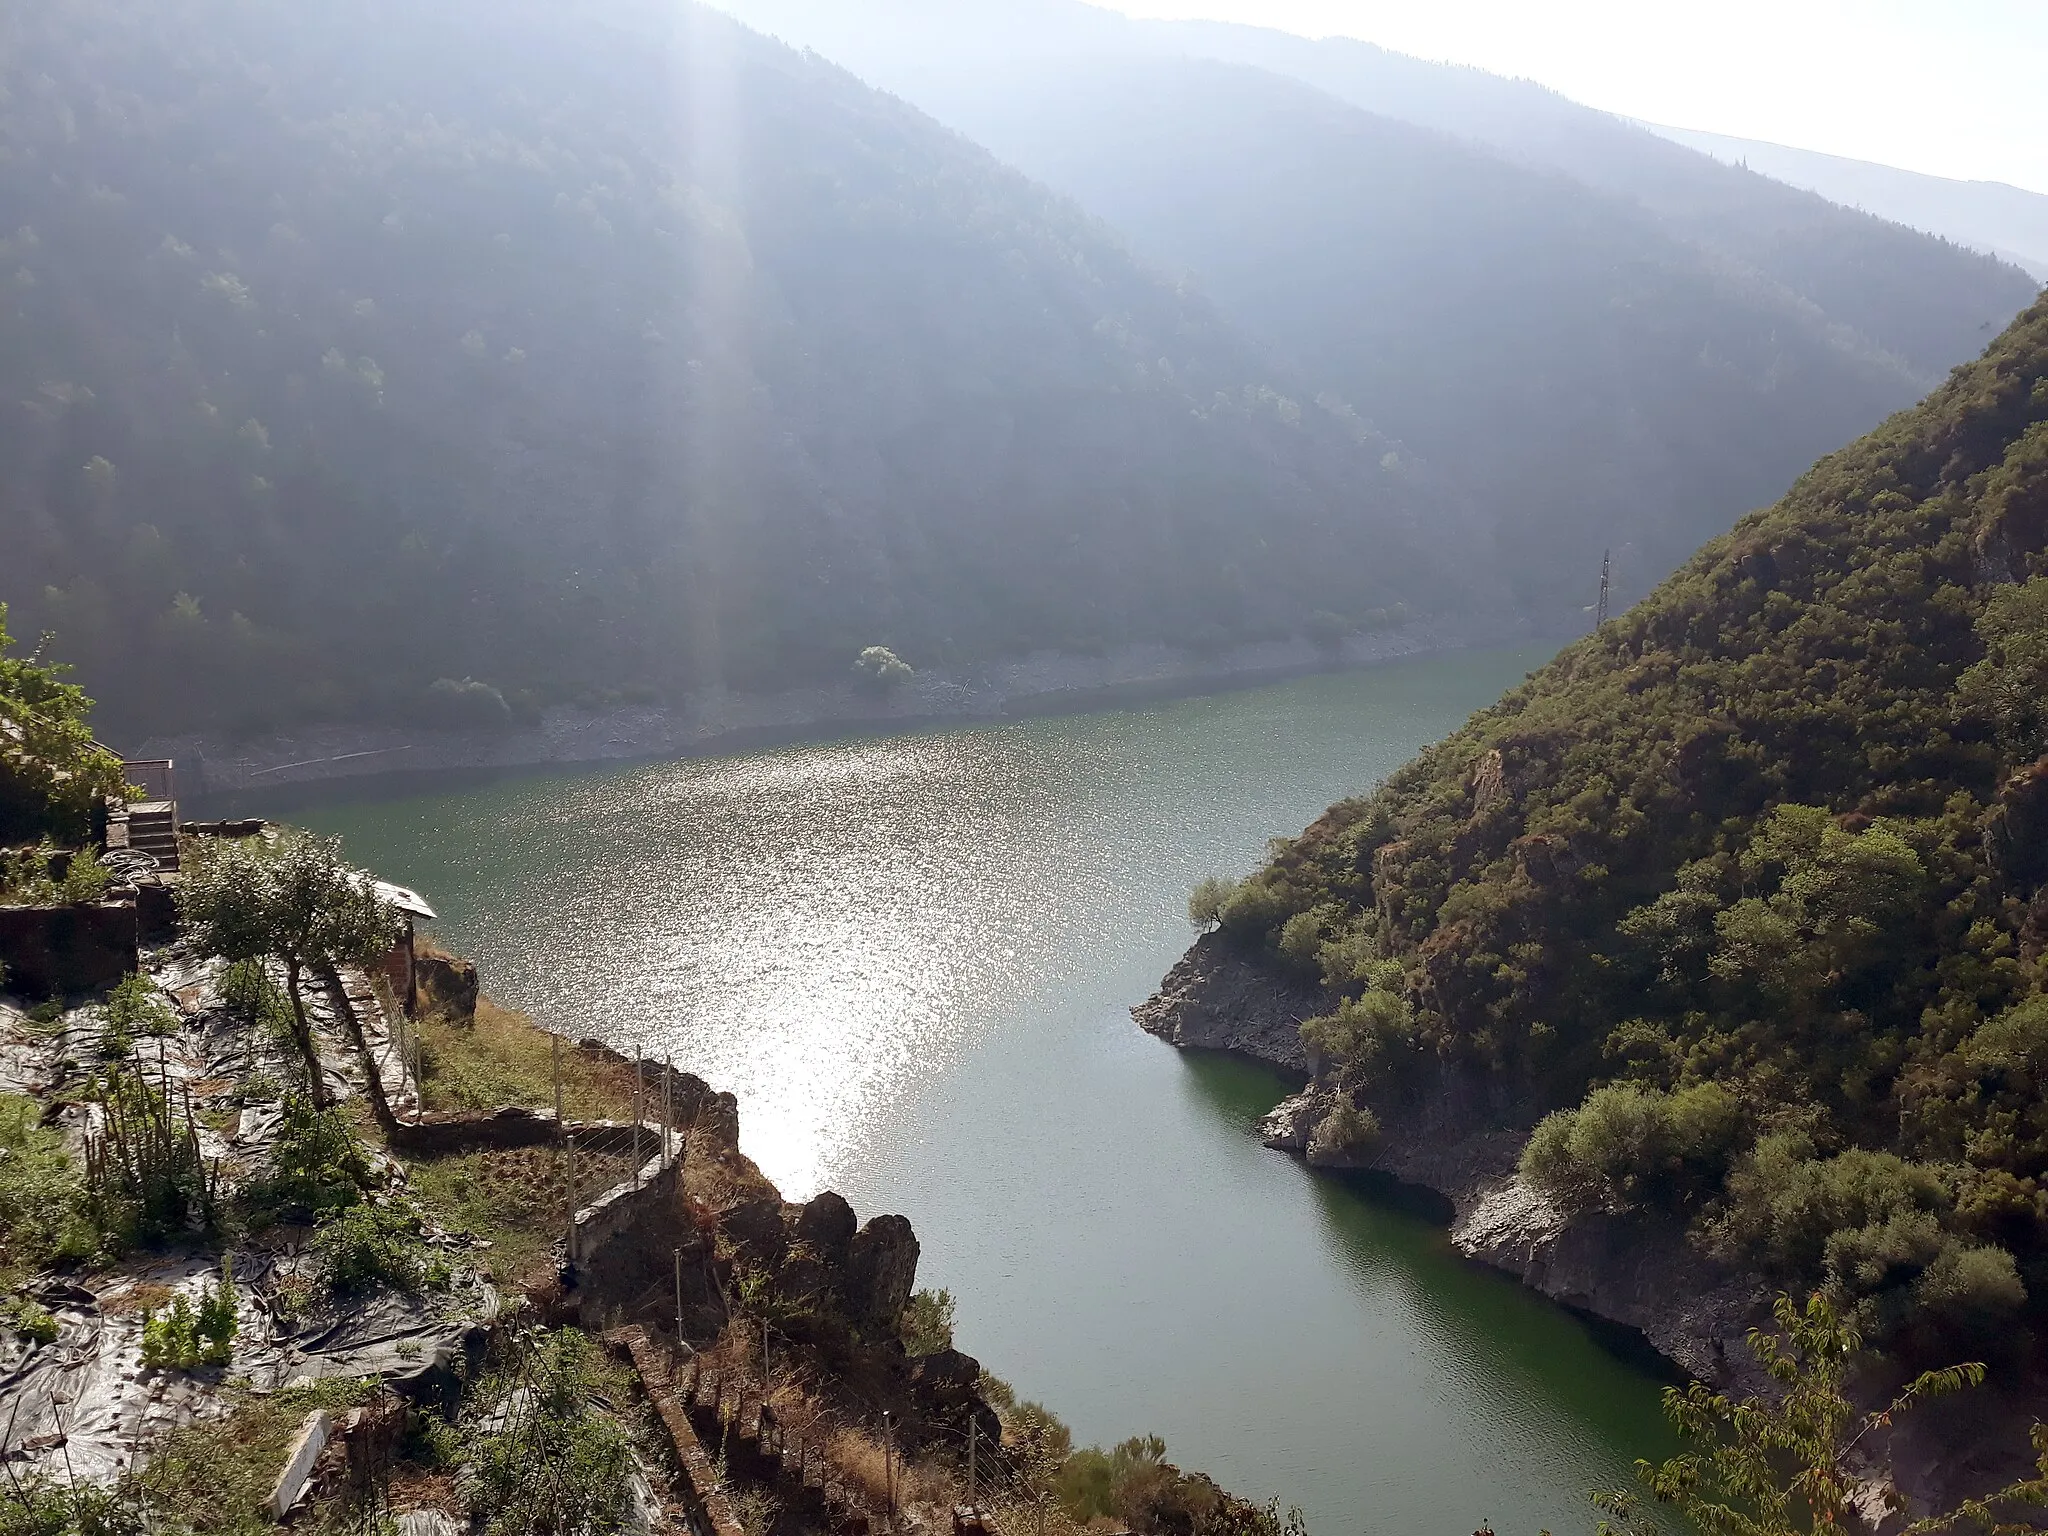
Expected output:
{"points": [[601, 351], [1601, 337], [1751, 887]]}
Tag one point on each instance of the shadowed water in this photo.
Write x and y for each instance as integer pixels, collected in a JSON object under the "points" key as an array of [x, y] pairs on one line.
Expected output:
{"points": [[913, 959]]}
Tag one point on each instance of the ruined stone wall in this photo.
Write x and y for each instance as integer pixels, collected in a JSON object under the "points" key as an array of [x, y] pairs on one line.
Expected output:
{"points": [[62, 951]]}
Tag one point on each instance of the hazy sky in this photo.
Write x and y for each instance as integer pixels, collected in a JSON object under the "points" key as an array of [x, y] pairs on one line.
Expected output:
{"points": [[1951, 87]]}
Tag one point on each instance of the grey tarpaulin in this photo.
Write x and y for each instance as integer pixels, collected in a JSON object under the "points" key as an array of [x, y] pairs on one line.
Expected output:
{"points": [[82, 1406]]}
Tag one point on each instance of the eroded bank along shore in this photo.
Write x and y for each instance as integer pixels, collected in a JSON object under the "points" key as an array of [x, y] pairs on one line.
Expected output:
{"points": [[1458, 1135], [466, 1251], [715, 720]]}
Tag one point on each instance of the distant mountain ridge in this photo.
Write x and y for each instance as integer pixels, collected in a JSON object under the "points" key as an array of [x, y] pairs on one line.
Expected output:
{"points": [[1605, 339], [2007, 221]]}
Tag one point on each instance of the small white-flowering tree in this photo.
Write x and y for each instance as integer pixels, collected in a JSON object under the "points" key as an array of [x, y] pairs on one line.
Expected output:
{"points": [[881, 669]]}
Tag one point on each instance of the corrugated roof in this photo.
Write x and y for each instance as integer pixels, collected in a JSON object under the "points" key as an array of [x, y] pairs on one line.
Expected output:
{"points": [[412, 903]]}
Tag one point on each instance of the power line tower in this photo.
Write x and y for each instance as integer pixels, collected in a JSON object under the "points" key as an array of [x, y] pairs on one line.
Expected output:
{"points": [[1606, 584]]}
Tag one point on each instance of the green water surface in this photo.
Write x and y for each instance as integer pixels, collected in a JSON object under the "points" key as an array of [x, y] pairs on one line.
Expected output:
{"points": [[913, 959]]}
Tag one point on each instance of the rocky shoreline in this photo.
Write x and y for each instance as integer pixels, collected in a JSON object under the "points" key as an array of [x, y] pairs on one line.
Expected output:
{"points": [[1443, 1137], [718, 720], [1459, 1135]]}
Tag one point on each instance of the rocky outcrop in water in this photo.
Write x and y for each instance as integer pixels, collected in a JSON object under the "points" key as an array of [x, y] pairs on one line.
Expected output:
{"points": [[1460, 1134], [1216, 1000], [1640, 1273]]}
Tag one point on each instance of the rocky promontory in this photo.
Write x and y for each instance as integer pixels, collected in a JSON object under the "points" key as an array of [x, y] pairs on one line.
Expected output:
{"points": [[1459, 1134]]}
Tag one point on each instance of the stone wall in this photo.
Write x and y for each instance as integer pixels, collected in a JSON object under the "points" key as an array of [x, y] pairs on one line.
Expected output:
{"points": [[615, 1212], [63, 951], [446, 1132]]}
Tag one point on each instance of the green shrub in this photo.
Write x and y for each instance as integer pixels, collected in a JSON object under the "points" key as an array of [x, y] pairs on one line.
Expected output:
{"points": [[1364, 1035], [1345, 1131], [1098, 1484], [26, 881], [1974, 1290], [1629, 1146], [879, 669], [45, 1507], [137, 1006], [2010, 685], [364, 1246], [927, 1323], [45, 1211], [1351, 960], [548, 1464], [1302, 938], [1255, 908], [1785, 1205], [317, 1166], [183, 1338], [1880, 1231], [30, 1319]]}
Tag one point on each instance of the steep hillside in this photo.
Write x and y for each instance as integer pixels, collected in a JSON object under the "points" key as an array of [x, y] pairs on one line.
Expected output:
{"points": [[1764, 866], [1606, 339], [628, 355], [1590, 381]]}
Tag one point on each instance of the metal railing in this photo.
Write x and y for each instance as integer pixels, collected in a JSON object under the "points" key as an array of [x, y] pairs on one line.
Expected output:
{"points": [[155, 777]]}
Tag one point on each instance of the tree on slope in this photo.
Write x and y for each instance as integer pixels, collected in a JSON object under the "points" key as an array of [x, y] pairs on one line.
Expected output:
{"points": [[293, 899], [1786, 1466], [51, 769]]}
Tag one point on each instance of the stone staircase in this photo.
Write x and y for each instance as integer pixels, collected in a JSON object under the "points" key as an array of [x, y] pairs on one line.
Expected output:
{"points": [[153, 829]]}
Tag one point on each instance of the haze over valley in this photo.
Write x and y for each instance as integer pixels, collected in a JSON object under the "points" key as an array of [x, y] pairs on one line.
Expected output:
{"points": [[835, 767]]}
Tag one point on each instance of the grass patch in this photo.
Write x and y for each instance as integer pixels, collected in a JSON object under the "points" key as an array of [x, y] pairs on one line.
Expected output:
{"points": [[506, 1058], [216, 1477], [517, 1197]]}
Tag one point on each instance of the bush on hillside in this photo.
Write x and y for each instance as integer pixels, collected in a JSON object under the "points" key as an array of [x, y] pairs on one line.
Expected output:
{"points": [[879, 670], [1630, 1145], [1366, 1035]]}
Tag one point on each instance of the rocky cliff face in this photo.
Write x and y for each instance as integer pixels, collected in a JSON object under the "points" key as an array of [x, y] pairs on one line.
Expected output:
{"points": [[1214, 1000], [1461, 1135], [1446, 1135]]}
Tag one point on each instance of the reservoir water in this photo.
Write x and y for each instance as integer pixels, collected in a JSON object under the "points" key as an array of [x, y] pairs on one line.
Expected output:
{"points": [[913, 959]]}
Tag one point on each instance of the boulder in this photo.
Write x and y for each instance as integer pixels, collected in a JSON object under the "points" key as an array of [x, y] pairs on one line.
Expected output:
{"points": [[881, 1272], [446, 986], [1291, 1123], [826, 1227], [947, 1387], [756, 1227]]}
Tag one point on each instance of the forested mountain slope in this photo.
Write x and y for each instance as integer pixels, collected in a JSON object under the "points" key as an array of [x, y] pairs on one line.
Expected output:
{"points": [[604, 348], [1763, 864], [1605, 338]]}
